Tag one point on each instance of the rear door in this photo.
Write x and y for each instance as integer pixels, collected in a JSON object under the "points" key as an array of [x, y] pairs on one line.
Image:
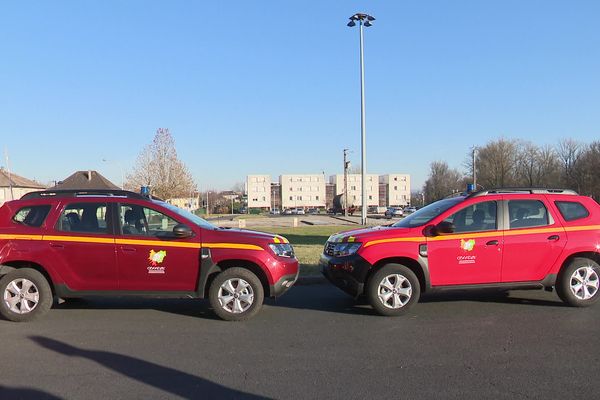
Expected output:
{"points": [[150, 257], [533, 240], [82, 245]]}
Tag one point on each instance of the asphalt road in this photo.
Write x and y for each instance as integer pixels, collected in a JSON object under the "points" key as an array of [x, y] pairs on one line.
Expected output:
{"points": [[312, 343]]}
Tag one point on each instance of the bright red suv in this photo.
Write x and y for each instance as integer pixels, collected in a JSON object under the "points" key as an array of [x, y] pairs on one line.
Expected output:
{"points": [[74, 244], [503, 238]]}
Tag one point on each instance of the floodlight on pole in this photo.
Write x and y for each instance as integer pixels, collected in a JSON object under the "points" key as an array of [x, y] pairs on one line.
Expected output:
{"points": [[363, 20]]}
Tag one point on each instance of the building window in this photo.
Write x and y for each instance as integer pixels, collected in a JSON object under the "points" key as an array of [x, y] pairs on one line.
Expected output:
{"points": [[291, 197], [264, 198], [352, 187], [299, 198], [370, 197], [291, 189], [395, 178], [316, 197], [395, 187]]}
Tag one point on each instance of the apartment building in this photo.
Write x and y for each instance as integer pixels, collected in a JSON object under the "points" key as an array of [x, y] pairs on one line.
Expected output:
{"points": [[302, 190], [354, 185], [394, 190], [258, 189]]}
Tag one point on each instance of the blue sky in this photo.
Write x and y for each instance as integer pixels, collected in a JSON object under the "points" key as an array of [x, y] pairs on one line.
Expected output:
{"points": [[272, 86]]}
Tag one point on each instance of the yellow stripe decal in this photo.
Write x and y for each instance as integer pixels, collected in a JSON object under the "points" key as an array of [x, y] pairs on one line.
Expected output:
{"points": [[240, 246], [276, 240], [159, 243], [511, 232], [582, 228], [82, 239], [21, 237], [153, 243]]}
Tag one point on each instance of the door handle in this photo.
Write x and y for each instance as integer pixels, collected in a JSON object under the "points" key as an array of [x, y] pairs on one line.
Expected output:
{"points": [[554, 237], [57, 246], [128, 249], [492, 243]]}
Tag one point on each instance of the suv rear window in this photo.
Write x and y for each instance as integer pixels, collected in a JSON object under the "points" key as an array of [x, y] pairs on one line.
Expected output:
{"points": [[32, 215], [572, 210]]}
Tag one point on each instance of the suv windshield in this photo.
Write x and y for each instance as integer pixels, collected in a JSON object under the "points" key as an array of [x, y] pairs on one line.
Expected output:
{"points": [[427, 213], [188, 215]]}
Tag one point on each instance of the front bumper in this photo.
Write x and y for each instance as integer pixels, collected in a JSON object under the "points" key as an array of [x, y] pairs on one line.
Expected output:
{"points": [[348, 273], [286, 281]]}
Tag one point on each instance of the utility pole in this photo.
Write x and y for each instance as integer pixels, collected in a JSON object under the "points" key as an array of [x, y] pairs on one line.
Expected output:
{"points": [[345, 196], [474, 168]]}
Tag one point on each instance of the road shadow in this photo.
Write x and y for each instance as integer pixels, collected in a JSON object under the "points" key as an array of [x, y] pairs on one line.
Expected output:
{"points": [[167, 379], [328, 298], [491, 296], [196, 308], [10, 393]]}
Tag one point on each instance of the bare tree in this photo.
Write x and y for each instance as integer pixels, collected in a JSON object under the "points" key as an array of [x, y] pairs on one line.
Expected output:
{"points": [[497, 163], [588, 167], [159, 167], [569, 153], [442, 181]]}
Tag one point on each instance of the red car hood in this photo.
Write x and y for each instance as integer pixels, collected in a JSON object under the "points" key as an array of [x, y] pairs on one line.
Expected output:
{"points": [[374, 233]]}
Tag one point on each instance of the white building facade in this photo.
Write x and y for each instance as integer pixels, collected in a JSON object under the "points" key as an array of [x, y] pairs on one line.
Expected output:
{"points": [[397, 191], [355, 188], [302, 190], [258, 189]]}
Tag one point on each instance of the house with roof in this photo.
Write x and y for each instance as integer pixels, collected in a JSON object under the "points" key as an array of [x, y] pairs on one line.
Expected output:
{"points": [[85, 180], [13, 186]]}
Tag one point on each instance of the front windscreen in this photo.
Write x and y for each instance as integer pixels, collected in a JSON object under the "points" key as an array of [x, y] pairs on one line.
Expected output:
{"points": [[427, 213], [188, 215]]}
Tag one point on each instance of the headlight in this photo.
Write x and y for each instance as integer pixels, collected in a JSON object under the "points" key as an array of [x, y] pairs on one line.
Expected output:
{"points": [[345, 249], [282, 249]]}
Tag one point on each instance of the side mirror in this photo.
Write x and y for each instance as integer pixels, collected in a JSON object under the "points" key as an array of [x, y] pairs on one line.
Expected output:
{"points": [[445, 227], [182, 231], [430, 231]]}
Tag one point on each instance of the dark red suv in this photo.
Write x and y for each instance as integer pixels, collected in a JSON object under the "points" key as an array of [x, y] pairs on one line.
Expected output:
{"points": [[79, 243], [503, 238]]}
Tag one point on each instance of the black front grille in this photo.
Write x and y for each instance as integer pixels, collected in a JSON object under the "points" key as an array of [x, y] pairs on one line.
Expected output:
{"points": [[329, 246]]}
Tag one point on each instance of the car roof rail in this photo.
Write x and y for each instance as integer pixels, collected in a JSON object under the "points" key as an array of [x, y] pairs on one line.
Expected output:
{"points": [[83, 193], [516, 190]]}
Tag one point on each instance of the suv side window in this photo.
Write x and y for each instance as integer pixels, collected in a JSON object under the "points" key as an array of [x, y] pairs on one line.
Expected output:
{"points": [[84, 217], [572, 210], [32, 215], [138, 220], [475, 218], [527, 213]]}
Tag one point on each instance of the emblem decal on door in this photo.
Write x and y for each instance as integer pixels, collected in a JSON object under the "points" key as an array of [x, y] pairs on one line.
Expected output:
{"points": [[467, 245], [156, 258]]}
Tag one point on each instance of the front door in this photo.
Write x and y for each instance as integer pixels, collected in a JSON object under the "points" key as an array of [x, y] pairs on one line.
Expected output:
{"points": [[149, 257], [473, 253]]}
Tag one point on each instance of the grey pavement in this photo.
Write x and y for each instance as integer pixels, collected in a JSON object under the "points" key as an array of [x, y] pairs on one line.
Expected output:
{"points": [[315, 342]]}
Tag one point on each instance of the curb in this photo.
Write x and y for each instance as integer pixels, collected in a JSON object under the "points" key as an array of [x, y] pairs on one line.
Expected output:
{"points": [[310, 280]]}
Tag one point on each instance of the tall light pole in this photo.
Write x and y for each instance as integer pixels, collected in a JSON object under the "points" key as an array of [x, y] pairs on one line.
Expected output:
{"points": [[363, 20]]}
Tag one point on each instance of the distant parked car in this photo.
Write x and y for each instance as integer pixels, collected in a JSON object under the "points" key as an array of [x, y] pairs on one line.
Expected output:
{"points": [[299, 211], [287, 211], [312, 211], [393, 212], [275, 211], [409, 210]]}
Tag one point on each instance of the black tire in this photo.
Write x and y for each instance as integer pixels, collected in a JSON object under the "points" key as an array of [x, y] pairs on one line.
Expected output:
{"points": [[402, 301], [15, 305], [231, 311], [578, 283]]}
